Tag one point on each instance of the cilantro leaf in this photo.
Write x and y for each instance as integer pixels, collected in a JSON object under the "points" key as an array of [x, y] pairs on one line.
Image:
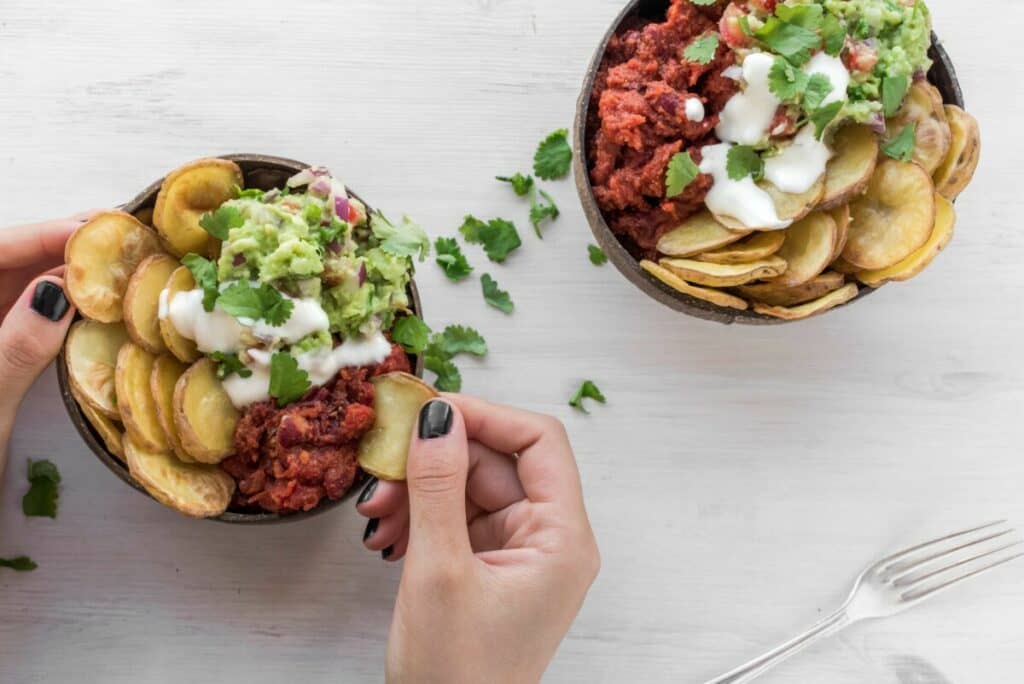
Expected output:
{"points": [[822, 117], [249, 193], [588, 390], [785, 81], [702, 50], [498, 236], [313, 214], [894, 89], [494, 296], [412, 333], [541, 211], [805, 16], [288, 382], [329, 234], [792, 41], [819, 87], [680, 173], [264, 302], [520, 183], [451, 259], [228, 365], [834, 34], [459, 339], [41, 499], [219, 223], [902, 146], [597, 255], [449, 379], [405, 240], [19, 564], [554, 156], [205, 274], [743, 161]]}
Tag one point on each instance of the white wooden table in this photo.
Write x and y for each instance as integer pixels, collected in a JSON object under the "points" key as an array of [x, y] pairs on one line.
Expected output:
{"points": [[738, 478]]}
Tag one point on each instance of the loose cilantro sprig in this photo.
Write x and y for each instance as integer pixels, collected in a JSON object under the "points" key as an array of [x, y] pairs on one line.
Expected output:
{"points": [[288, 382], [228, 365], [41, 499], [204, 272], [451, 259], [439, 349], [449, 378], [588, 390], [498, 236], [541, 211], [458, 339], [743, 161], [220, 222], [554, 156], [520, 184], [19, 564], [412, 333], [597, 255], [702, 50], [680, 173], [406, 239], [493, 295], [263, 302], [902, 146]]}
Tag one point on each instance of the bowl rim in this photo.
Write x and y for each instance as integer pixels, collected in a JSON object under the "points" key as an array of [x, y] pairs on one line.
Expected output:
{"points": [[942, 75], [250, 163]]}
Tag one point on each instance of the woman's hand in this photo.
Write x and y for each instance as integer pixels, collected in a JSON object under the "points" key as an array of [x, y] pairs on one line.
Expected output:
{"points": [[35, 311], [500, 553]]}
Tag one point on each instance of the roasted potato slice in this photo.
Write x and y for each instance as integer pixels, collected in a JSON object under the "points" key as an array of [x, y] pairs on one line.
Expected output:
{"points": [[773, 294], [818, 306], [135, 401], [716, 297], [186, 195], [697, 234], [91, 355], [893, 218], [754, 248], [841, 215], [142, 301], [194, 490], [942, 234], [807, 249], [183, 348], [957, 170], [204, 415], [725, 275], [145, 216], [101, 256], [855, 154], [167, 370], [924, 107], [788, 206], [384, 450], [106, 427], [841, 265]]}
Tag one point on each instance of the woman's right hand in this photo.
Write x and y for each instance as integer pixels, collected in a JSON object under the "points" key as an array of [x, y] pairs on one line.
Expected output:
{"points": [[499, 550]]}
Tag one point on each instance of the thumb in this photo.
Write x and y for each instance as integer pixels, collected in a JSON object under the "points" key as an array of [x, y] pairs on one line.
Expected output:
{"points": [[30, 338], [437, 471]]}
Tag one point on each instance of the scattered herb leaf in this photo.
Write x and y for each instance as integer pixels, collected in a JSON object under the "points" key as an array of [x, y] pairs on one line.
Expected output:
{"points": [[406, 239], [498, 236], [823, 116], [819, 87], [228, 365], [264, 302], [894, 89], [702, 50], [494, 296], [520, 183], [902, 146], [205, 274], [220, 222], [459, 339], [786, 81], [588, 390], [743, 161], [41, 499], [597, 255], [680, 173], [451, 259], [288, 382], [412, 333], [554, 156], [19, 564], [449, 379], [541, 211]]}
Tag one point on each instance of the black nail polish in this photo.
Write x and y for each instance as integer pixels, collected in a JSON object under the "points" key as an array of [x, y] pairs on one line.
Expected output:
{"points": [[371, 528], [368, 491], [386, 553], [435, 419], [48, 300]]}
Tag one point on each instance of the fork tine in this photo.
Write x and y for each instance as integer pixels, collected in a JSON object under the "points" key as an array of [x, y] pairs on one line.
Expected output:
{"points": [[917, 596], [903, 581], [886, 562], [917, 564]]}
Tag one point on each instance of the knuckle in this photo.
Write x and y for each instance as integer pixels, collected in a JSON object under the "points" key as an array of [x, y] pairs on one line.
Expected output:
{"points": [[435, 477], [21, 354], [554, 426]]}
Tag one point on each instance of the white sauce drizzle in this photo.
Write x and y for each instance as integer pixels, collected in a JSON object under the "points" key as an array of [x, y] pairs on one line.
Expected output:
{"points": [[748, 114], [799, 166], [832, 67], [742, 199], [694, 109]]}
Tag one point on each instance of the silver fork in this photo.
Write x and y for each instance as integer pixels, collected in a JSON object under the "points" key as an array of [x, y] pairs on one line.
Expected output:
{"points": [[897, 583]]}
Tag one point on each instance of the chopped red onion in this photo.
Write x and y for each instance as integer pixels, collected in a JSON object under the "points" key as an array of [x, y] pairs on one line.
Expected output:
{"points": [[304, 177], [321, 187], [341, 207], [362, 274], [238, 260], [920, 75], [670, 103], [271, 195], [320, 171], [877, 123], [335, 246]]}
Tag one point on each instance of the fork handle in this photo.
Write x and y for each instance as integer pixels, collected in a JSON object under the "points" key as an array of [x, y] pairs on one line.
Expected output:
{"points": [[757, 667]]}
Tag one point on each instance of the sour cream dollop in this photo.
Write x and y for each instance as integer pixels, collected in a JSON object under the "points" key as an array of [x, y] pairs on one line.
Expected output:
{"points": [[741, 199], [798, 166], [748, 114]]}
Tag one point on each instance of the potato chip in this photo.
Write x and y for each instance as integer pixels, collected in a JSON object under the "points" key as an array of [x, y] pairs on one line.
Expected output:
{"points": [[754, 248], [814, 308], [181, 347], [678, 284], [788, 206], [195, 490], [142, 301], [204, 415], [942, 234], [957, 170], [699, 233], [923, 106], [807, 249], [773, 294], [841, 215], [384, 450], [90, 352], [855, 154], [107, 428], [724, 275], [135, 400], [186, 195], [167, 370]]}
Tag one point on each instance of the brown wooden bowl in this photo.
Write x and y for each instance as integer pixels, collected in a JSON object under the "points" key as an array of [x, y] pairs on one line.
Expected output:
{"points": [[942, 74], [263, 172]]}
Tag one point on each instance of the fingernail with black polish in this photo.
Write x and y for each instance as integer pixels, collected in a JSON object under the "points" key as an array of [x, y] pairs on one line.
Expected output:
{"points": [[435, 419], [371, 528], [48, 300], [368, 491], [386, 553]]}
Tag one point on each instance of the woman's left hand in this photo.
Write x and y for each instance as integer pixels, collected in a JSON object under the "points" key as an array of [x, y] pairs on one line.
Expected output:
{"points": [[35, 311]]}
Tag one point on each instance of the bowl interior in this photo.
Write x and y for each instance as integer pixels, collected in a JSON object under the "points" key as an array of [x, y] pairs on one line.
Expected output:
{"points": [[263, 172], [942, 74]]}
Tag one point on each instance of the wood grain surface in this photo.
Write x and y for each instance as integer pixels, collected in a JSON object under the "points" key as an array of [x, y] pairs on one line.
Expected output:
{"points": [[738, 478]]}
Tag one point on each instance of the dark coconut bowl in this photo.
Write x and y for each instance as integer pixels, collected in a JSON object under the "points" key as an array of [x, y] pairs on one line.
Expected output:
{"points": [[942, 75], [263, 172]]}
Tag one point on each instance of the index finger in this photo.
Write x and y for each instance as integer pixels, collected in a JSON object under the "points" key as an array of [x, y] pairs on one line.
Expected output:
{"points": [[28, 245], [546, 464]]}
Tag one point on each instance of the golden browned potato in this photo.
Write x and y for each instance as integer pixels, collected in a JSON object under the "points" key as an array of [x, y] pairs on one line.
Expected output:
{"points": [[106, 427], [186, 195], [957, 170], [942, 235], [716, 297], [788, 206], [807, 249], [135, 400], [754, 248], [818, 306], [384, 450], [142, 301], [841, 215], [893, 218], [855, 154], [145, 216], [923, 107], [699, 233], [773, 294], [91, 356], [204, 415], [167, 370], [195, 490], [101, 256], [725, 275], [183, 348]]}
